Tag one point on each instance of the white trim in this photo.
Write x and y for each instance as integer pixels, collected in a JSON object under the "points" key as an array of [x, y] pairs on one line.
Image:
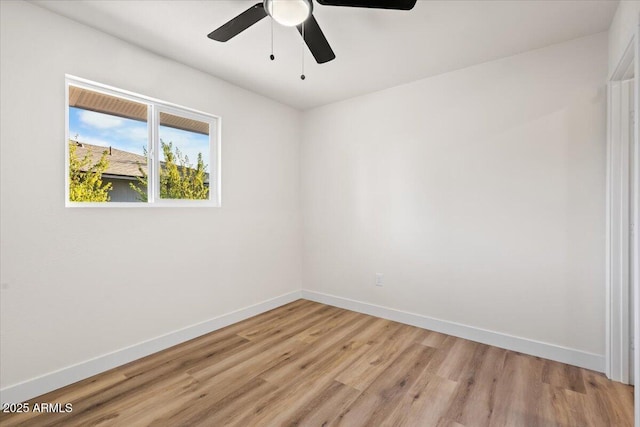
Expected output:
{"points": [[625, 63], [66, 141], [523, 345], [617, 246], [71, 374], [618, 267], [608, 267], [636, 237], [625, 252]]}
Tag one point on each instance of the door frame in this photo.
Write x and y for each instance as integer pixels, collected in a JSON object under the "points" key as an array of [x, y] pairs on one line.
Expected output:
{"points": [[618, 225], [636, 236]]}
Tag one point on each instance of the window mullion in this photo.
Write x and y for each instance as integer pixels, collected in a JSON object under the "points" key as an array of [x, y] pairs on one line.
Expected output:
{"points": [[151, 164], [156, 152]]}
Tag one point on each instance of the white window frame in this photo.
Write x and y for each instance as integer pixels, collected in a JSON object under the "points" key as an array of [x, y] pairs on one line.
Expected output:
{"points": [[154, 107]]}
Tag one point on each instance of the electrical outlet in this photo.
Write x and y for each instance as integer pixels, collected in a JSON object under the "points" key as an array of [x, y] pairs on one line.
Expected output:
{"points": [[379, 279]]}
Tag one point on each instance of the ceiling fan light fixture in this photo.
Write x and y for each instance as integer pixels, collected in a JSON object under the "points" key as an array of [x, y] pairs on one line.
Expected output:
{"points": [[289, 12]]}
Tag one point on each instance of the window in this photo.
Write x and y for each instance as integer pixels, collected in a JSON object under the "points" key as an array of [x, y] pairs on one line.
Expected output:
{"points": [[124, 149]]}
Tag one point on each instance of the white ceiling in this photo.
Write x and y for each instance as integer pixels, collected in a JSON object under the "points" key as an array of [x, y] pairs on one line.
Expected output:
{"points": [[375, 49]]}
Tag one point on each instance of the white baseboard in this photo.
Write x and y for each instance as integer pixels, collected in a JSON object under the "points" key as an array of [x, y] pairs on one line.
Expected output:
{"points": [[595, 362], [69, 375]]}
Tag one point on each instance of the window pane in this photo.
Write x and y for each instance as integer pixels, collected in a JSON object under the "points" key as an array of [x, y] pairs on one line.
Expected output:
{"points": [[108, 140], [184, 168]]}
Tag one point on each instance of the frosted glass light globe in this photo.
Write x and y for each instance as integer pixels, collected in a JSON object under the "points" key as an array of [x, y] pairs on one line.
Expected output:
{"points": [[289, 12]]}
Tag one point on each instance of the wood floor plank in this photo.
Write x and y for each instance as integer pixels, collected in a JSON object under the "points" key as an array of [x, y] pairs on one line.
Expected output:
{"points": [[448, 423], [474, 401], [562, 407], [214, 411], [377, 402], [608, 403], [424, 403], [140, 407], [393, 340], [322, 350], [315, 332], [518, 392], [434, 339], [564, 376], [308, 364], [282, 336], [325, 406], [204, 353], [277, 325], [457, 359]]}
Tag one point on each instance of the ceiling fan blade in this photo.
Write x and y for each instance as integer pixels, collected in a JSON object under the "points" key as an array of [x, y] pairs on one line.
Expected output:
{"points": [[316, 41], [239, 23], [374, 4]]}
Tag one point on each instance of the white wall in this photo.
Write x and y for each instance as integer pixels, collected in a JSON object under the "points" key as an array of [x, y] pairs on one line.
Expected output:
{"points": [[82, 283], [623, 27], [479, 194]]}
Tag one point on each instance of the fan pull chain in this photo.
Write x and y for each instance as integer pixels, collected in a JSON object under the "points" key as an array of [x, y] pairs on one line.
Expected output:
{"points": [[302, 76], [272, 57]]}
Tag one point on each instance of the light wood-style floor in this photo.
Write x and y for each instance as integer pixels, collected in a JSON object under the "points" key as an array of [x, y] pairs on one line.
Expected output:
{"points": [[314, 365]]}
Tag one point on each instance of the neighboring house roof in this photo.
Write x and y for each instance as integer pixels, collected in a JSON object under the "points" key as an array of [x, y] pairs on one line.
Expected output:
{"points": [[121, 163]]}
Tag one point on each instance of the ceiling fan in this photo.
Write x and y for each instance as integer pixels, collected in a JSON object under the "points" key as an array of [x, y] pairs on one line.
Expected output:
{"points": [[299, 13]]}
